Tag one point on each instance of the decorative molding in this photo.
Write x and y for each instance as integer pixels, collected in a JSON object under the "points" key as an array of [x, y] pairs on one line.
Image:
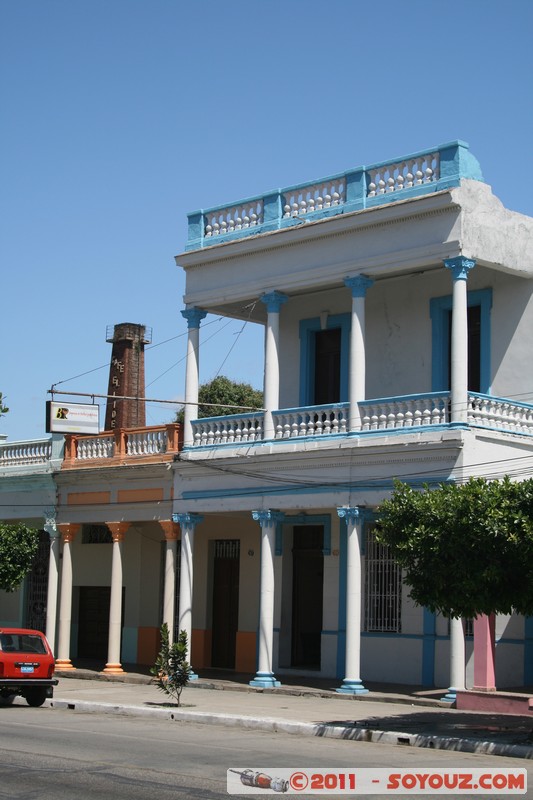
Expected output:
{"points": [[359, 284], [274, 301], [193, 316], [460, 267], [350, 513], [187, 520], [267, 518]]}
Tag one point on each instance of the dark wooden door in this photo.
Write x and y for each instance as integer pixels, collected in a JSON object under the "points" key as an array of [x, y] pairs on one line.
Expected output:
{"points": [[225, 602], [327, 383], [93, 622], [307, 595]]}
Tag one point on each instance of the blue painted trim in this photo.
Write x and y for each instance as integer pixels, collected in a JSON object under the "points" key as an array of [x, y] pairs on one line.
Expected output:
{"points": [[264, 680], [528, 651], [308, 327], [439, 308], [456, 162], [428, 648], [313, 519]]}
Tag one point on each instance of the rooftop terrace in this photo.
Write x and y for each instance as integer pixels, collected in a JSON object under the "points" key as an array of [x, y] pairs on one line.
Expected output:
{"points": [[413, 175]]}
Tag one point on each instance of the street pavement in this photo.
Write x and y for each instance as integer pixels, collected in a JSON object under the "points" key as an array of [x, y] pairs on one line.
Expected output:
{"points": [[403, 716]]}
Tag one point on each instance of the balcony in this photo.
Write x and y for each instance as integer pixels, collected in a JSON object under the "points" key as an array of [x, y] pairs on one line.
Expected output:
{"points": [[409, 176], [404, 414], [153, 444]]}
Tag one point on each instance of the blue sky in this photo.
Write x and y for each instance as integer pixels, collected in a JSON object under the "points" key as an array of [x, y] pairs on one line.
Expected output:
{"points": [[120, 116]]}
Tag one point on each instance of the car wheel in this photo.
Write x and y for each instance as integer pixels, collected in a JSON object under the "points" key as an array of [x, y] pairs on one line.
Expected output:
{"points": [[6, 699], [35, 697]]}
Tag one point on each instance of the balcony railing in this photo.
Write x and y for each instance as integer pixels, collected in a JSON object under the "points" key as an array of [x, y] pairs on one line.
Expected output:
{"points": [[387, 413], [123, 446], [401, 178], [30, 452]]}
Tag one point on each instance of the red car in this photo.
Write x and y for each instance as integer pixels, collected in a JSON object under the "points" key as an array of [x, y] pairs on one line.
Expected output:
{"points": [[26, 666]]}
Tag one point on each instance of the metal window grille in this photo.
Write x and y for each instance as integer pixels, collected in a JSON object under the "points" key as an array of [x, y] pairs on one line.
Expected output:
{"points": [[37, 586], [227, 548], [383, 587]]}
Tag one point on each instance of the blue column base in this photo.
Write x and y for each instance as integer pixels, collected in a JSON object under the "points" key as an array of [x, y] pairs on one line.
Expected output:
{"points": [[193, 676], [351, 687], [264, 680], [450, 696]]}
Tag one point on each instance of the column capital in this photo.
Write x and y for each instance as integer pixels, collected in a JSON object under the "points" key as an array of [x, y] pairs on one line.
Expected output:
{"points": [[274, 301], [68, 531], [187, 520], [118, 529], [50, 522], [460, 267], [267, 517], [171, 529], [350, 513], [358, 284], [193, 316]]}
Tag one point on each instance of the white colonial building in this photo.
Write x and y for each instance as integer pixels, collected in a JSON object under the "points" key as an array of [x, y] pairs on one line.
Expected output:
{"points": [[397, 306]]}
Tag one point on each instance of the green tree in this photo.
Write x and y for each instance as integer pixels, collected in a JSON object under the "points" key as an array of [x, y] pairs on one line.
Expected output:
{"points": [[223, 396], [18, 546], [465, 549], [3, 408], [171, 669]]}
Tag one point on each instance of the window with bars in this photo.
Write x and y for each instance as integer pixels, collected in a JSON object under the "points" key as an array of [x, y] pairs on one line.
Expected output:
{"points": [[383, 587]]}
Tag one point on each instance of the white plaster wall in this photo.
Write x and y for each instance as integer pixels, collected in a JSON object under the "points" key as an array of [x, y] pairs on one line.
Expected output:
{"points": [[391, 660]]}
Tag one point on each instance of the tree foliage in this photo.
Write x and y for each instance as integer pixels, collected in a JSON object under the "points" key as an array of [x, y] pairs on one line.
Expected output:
{"points": [[225, 396], [18, 546], [465, 549], [171, 669], [3, 408]]}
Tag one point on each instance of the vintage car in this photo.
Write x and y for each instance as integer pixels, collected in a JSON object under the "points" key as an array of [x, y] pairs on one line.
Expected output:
{"points": [[26, 666]]}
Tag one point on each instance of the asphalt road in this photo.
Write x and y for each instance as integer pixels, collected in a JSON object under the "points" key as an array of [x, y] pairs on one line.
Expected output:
{"points": [[51, 754]]}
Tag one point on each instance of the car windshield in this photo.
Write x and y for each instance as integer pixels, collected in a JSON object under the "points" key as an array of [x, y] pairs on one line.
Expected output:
{"points": [[22, 643]]}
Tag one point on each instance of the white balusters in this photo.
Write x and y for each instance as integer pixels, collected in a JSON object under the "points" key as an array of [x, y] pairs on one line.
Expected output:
{"points": [[25, 452], [394, 177], [315, 197], [234, 218]]}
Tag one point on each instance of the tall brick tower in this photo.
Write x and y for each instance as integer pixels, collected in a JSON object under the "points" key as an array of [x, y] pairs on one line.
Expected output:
{"points": [[126, 375]]}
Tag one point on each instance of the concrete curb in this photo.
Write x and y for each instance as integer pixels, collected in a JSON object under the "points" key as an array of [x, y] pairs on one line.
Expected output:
{"points": [[272, 725]]}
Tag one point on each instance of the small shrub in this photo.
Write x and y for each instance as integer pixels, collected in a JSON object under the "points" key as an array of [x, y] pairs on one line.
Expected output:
{"points": [[171, 669]]}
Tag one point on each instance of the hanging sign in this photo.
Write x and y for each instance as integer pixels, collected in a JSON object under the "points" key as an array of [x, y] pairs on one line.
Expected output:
{"points": [[72, 417]]}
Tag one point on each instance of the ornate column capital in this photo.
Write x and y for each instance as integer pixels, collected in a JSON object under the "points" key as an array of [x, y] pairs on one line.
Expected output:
{"points": [[68, 531], [50, 522], [118, 530], [267, 517], [358, 284], [460, 267], [274, 301], [171, 529], [193, 316], [187, 520], [350, 513]]}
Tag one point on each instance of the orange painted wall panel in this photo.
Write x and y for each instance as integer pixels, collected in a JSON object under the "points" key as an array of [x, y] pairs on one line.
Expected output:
{"points": [[88, 498], [139, 495]]}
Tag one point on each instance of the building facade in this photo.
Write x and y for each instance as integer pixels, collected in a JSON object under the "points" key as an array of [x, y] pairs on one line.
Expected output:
{"points": [[397, 306]]}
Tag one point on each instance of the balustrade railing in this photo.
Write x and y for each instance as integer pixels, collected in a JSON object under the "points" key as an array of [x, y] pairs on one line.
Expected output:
{"points": [[500, 414], [227, 430], [405, 412], [123, 445], [364, 187], [30, 452], [322, 420]]}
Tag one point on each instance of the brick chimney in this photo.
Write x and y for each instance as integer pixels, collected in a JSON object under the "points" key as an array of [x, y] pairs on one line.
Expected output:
{"points": [[126, 375]]}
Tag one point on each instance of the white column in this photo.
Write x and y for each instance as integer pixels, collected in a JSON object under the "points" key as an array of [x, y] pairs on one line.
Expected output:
{"points": [[113, 666], [268, 520], [352, 683], [193, 316], [357, 369], [273, 302], [53, 580], [68, 532], [187, 523], [171, 530], [457, 660], [460, 268]]}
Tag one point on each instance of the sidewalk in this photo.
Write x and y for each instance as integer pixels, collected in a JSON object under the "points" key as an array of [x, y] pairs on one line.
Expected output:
{"points": [[393, 715]]}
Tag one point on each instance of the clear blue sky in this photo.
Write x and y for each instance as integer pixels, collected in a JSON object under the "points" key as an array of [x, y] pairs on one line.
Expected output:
{"points": [[120, 116]]}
